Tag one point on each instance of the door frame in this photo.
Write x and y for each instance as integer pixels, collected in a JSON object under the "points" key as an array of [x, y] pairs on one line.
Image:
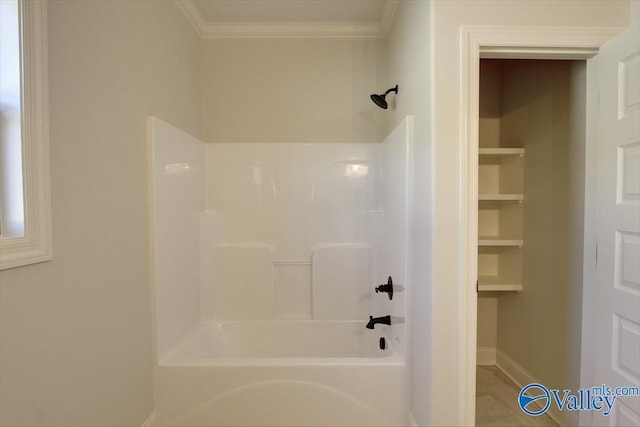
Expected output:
{"points": [[515, 42]]}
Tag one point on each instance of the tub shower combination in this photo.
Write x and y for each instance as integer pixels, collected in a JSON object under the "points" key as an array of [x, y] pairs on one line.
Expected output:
{"points": [[280, 281]]}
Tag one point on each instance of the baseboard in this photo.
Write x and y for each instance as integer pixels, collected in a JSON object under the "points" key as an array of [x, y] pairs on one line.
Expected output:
{"points": [[521, 377], [513, 370], [486, 356], [150, 419]]}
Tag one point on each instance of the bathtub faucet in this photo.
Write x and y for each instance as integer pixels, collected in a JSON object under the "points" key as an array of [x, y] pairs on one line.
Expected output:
{"points": [[384, 320]]}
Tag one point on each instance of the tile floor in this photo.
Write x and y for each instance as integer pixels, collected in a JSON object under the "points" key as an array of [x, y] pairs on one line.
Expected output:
{"points": [[497, 401]]}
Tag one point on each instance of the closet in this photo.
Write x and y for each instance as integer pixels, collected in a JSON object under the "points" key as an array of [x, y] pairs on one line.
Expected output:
{"points": [[531, 190]]}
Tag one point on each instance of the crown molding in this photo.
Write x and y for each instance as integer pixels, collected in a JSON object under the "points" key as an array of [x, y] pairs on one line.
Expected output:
{"points": [[193, 14], [246, 30], [386, 19]]}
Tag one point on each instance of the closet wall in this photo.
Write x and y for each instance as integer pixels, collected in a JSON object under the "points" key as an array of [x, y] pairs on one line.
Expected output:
{"points": [[489, 135], [539, 106]]}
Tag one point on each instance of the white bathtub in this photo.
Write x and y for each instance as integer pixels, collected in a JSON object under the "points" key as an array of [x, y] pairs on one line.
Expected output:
{"points": [[281, 373]]}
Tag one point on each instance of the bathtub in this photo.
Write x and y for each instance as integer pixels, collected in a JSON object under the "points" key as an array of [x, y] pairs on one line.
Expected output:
{"points": [[282, 373]]}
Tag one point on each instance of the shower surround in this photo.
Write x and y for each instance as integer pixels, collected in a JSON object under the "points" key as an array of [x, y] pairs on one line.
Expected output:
{"points": [[265, 260]]}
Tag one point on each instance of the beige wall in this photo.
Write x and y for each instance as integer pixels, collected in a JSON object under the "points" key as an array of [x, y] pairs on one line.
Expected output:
{"points": [[290, 90], [540, 327], [409, 65], [489, 136], [75, 333], [448, 17], [487, 321]]}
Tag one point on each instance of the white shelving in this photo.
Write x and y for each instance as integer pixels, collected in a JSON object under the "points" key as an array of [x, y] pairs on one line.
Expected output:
{"points": [[501, 197], [500, 216], [498, 283], [501, 151], [498, 241]]}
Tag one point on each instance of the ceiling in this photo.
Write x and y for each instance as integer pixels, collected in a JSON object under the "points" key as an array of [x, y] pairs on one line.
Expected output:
{"points": [[290, 18]]}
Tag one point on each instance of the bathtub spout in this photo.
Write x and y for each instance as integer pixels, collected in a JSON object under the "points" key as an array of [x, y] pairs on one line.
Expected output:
{"points": [[384, 320]]}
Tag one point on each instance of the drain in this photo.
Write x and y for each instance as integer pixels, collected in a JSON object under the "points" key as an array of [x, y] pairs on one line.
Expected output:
{"points": [[383, 343]]}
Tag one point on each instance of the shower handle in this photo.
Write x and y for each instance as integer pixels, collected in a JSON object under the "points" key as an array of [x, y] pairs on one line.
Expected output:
{"points": [[388, 288]]}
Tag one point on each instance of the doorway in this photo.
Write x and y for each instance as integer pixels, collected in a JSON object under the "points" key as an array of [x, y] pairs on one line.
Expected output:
{"points": [[531, 192], [611, 303]]}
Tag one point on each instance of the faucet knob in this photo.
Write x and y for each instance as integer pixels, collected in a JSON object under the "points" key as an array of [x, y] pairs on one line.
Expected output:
{"points": [[388, 288]]}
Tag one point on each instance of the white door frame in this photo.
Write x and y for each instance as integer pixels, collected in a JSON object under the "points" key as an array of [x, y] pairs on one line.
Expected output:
{"points": [[503, 42]]}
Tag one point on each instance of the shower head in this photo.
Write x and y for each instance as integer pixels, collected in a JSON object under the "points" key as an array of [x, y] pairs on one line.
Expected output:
{"points": [[380, 100]]}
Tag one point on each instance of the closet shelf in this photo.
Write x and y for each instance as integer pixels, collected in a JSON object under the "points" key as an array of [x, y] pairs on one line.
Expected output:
{"points": [[499, 197], [501, 151], [498, 241], [497, 283]]}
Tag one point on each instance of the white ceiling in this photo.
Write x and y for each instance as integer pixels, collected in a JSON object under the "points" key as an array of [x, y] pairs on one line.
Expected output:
{"points": [[290, 18]]}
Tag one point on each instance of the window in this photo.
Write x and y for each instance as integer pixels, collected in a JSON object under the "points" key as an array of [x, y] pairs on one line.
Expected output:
{"points": [[11, 205], [25, 206]]}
